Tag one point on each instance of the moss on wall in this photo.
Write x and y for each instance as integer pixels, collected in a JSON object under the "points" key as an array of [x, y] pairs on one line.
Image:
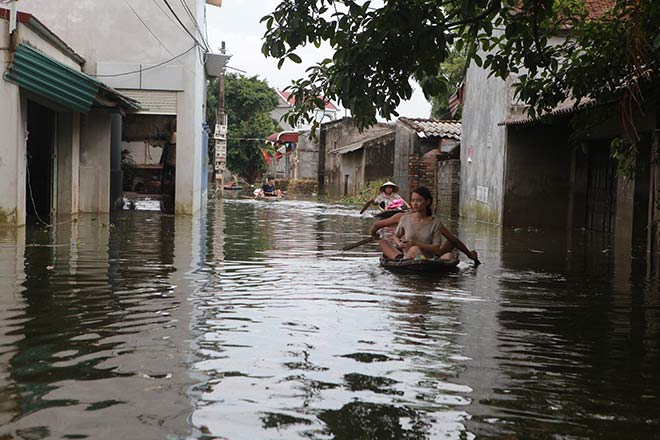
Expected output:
{"points": [[479, 211], [7, 217]]}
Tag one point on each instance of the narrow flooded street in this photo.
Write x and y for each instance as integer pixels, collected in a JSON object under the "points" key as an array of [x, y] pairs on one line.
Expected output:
{"points": [[250, 323]]}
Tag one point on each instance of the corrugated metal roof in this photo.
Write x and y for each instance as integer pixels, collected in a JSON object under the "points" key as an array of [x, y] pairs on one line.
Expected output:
{"points": [[363, 143], [153, 102], [34, 71], [432, 128]]}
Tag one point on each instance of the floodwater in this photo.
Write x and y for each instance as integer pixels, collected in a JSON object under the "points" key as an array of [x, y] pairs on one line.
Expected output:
{"points": [[249, 323]]}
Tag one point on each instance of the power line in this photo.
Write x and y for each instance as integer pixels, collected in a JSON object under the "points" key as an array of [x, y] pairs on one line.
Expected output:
{"points": [[147, 27], [183, 25], [195, 22], [147, 68]]}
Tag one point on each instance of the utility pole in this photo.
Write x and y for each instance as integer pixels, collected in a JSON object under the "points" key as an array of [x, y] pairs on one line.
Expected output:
{"points": [[220, 132], [13, 32]]}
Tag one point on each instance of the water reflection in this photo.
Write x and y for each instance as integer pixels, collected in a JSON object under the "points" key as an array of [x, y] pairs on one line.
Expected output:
{"points": [[97, 331], [247, 322]]}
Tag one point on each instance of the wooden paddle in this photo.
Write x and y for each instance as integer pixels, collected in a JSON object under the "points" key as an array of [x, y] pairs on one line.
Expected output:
{"points": [[366, 205], [348, 247]]}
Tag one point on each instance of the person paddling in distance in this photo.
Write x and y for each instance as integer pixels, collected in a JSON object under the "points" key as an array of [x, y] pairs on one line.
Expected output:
{"points": [[268, 189], [389, 192], [419, 234]]}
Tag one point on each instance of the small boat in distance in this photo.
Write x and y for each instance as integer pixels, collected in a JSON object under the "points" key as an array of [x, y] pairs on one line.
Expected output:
{"points": [[426, 266]]}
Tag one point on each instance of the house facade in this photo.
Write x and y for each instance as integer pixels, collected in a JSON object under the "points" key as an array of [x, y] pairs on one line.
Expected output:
{"points": [[155, 55], [420, 143], [556, 171], [285, 103], [348, 158], [57, 125]]}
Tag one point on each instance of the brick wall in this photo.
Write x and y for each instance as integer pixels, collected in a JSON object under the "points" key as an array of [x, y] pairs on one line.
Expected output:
{"points": [[448, 188], [421, 173]]}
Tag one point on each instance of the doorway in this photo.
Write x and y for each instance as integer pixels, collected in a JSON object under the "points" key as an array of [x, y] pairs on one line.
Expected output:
{"points": [[40, 173]]}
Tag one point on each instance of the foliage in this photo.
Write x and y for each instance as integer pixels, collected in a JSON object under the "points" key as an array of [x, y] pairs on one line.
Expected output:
{"points": [[248, 101], [368, 191], [300, 186], [451, 76], [612, 55]]}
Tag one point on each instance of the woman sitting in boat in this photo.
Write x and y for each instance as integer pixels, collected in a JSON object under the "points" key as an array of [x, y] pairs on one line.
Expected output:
{"points": [[419, 234], [389, 196]]}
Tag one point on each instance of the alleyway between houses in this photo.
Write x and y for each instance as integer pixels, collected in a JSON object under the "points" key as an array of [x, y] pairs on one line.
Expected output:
{"points": [[249, 322]]}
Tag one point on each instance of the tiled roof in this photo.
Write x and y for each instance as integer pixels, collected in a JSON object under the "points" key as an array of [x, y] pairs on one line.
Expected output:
{"points": [[289, 98], [565, 108], [597, 8], [431, 128]]}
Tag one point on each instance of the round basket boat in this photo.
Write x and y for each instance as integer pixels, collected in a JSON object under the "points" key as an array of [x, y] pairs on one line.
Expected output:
{"points": [[387, 214], [434, 266]]}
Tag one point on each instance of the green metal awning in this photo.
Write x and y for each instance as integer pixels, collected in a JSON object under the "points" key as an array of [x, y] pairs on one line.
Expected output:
{"points": [[40, 74]]}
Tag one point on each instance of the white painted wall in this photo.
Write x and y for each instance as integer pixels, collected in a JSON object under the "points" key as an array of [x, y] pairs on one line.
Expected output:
{"points": [[13, 142], [483, 145], [68, 163], [143, 152], [107, 33]]}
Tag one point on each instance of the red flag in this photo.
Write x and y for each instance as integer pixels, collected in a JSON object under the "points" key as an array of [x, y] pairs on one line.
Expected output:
{"points": [[266, 156], [456, 100]]}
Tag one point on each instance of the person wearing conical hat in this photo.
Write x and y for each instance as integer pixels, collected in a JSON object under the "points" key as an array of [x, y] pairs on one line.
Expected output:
{"points": [[389, 192]]}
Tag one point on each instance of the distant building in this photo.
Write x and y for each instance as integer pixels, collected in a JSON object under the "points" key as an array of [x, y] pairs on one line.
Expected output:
{"points": [[286, 102]]}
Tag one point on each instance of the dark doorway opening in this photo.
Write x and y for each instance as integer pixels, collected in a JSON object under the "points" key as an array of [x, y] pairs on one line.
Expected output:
{"points": [[40, 171]]}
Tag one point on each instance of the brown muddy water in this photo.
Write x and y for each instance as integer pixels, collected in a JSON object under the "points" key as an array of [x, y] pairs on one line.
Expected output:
{"points": [[248, 322]]}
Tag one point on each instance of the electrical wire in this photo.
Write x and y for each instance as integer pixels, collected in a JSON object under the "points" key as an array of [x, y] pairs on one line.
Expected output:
{"points": [[147, 27], [113, 75], [34, 204], [234, 68], [195, 22], [167, 3]]}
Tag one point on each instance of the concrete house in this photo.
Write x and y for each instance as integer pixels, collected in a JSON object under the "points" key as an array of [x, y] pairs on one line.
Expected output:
{"points": [[285, 103], [513, 162], [155, 53], [57, 125], [426, 153], [348, 158]]}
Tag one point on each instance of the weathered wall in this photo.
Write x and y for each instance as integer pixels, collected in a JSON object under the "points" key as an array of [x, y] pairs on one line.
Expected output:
{"points": [[143, 152], [12, 142], [13, 126], [308, 157], [538, 164], [339, 134], [379, 159], [68, 163], [351, 172], [404, 145], [448, 188], [483, 146], [101, 32], [95, 162]]}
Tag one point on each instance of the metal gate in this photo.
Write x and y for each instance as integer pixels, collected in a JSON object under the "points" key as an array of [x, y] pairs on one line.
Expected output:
{"points": [[601, 191]]}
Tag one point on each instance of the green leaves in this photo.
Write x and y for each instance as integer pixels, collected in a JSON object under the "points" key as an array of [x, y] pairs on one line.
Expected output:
{"points": [[553, 49], [248, 102]]}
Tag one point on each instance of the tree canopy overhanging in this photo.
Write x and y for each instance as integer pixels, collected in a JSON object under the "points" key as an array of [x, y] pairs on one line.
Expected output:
{"points": [[555, 49]]}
